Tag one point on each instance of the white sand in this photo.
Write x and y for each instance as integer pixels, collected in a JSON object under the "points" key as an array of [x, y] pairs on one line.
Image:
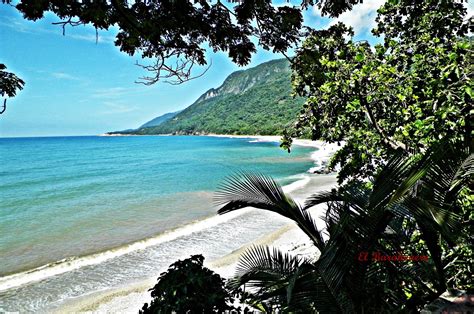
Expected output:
{"points": [[277, 138], [130, 298]]}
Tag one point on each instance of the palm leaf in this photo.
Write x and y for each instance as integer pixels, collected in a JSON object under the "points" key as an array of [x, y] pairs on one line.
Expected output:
{"points": [[357, 219], [260, 191], [255, 190], [464, 174], [276, 277], [322, 198]]}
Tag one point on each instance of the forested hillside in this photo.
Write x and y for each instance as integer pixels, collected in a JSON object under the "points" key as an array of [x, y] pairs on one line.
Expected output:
{"points": [[253, 101], [159, 120]]}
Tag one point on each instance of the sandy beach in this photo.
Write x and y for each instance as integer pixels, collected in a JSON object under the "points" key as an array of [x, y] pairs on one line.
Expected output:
{"points": [[131, 297]]}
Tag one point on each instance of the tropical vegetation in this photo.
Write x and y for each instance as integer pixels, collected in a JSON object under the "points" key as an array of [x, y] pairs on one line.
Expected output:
{"points": [[411, 207], [404, 110], [409, 92], [189, 287]]}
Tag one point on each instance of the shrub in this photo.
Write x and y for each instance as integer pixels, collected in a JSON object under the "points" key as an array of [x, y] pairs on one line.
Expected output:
{"points": [[188, 286]]}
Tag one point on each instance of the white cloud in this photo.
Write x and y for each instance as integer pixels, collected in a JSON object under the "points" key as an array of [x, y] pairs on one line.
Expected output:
{"points": [[361, 17], [25, 26], [65, 76], [117, 108], [92, 38], [15, 24], [111, 92]]}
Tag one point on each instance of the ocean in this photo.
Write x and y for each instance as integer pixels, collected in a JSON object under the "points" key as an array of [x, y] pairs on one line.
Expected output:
{"points": [[84, 214]]}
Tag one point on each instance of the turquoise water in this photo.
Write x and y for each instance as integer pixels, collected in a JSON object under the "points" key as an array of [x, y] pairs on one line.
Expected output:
{"points": [[70, 197]]}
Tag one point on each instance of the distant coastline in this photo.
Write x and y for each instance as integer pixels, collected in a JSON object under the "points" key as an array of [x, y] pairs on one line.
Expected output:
{"points": [[263, 138], [323, 153]]}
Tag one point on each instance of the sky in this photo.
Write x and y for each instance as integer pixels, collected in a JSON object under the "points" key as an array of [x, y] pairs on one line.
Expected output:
{"points": [[75, 86]]}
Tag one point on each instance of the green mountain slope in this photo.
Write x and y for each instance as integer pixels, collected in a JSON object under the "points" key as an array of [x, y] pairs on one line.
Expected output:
{"points": [[253, 101], [161, 119]]}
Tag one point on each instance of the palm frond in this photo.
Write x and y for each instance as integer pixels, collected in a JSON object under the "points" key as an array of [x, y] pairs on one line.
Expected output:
{"points": [[264, 258], [390, 184], [322, 198], [260, 191], [275, 277], [252, 190], [408, 194], [448, 169], [464, 175]]}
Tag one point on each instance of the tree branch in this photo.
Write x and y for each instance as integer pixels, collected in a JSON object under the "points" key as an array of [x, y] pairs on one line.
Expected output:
{"points": [[68, 22], [4, 106], [370, 115], [181, 71]]}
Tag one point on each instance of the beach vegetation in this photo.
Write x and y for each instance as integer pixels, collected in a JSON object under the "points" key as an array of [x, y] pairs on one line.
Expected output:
{"points": [[403, 107], [410, 208], [189, 287], [408, 92]]}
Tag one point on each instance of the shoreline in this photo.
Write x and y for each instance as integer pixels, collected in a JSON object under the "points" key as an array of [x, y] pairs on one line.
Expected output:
{"points": [[267, 138], [128, 293], [322, 154], [131, 297]]}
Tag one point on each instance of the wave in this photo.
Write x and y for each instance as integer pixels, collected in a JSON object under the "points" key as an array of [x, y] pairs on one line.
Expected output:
{"points": [[304, 180], [322, 156], [76, 262]]}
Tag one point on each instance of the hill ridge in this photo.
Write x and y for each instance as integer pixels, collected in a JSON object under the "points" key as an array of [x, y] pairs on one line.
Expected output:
{"points": [[252, 101]]}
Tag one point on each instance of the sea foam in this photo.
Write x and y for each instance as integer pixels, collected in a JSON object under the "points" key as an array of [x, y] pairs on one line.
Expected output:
{"points": [[72, 263]]}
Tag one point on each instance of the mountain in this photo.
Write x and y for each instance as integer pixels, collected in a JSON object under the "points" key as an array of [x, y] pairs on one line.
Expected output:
{"points": [[159, 120], [251, 102]]}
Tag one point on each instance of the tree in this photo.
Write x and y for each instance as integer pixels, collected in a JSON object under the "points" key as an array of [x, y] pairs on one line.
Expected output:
{"points": [[409, 93], [189, 287], [410, 199], [9, 84], [175, 33]]}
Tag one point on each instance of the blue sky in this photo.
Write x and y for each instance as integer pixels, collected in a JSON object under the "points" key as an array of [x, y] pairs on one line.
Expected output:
{"points": [[77, 87]]}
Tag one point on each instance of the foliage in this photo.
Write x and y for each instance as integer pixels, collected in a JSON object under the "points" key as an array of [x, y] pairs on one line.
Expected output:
{"points": [[9, 82], [411, 209], [189, 286], [175, 33], [460, 257], [409, 93], [254, 101], [161, 119]]}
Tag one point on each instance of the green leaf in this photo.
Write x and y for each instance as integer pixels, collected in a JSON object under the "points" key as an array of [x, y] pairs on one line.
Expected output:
{"points": [[469, 92], [359, 57]]}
